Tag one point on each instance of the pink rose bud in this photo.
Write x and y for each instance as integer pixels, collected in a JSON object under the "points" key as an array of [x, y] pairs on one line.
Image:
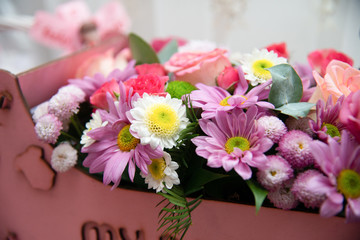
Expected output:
{"points": [[98, 99], [149, 83], [228, 78], [350, 114], [279, 48], [154, 68]]}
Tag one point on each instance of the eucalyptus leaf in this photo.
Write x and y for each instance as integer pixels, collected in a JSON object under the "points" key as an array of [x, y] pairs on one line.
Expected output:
{"points": [[300, 109], [199, 178], [286, 85], [166, 52], [258, 192], [141, 51]]}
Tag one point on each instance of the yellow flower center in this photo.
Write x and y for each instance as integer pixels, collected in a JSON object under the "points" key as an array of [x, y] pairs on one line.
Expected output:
{"points": [[125, 140], [238, 142], [157, 168], [331, 130], [162, 120], [259, 70], [224, 101], [348, 183]]}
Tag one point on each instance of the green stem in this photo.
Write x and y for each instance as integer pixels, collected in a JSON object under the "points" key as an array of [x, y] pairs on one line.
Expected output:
{"points": [[76, 123], [68, 135]]}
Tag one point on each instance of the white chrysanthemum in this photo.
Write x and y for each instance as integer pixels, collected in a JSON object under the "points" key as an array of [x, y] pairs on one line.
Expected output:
{"points": [[78, 94], [63, 105], [274, 127], [157, 120], [162, 173], [95, 122], [198, 46], [254, 65], [63, 157], [40, 110]]}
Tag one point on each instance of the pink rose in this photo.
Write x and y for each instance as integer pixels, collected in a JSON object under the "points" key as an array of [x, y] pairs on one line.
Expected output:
{"points": [[350, 114], [158, 43], [319, 59], [198, 67], [340, 79], [149, 83], [154, 68], [98, 99], [279, 49], [228, 78]]}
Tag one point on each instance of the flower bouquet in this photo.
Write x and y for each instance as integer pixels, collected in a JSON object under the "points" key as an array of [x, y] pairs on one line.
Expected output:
{"points": [[193, 121]]}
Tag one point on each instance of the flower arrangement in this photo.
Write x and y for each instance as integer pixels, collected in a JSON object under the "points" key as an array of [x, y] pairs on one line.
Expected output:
{"points": [[194, 121]]}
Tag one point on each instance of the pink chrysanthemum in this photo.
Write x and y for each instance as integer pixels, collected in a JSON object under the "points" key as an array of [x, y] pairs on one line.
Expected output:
{"points": [[301, 124], [90, 84], [63, 105], [276, 171], [274, 127], [302, 188], [213, 99], [48, 128], [77, 93], [233, 141], [340, 162], [282, 197], [294, 146], [327, 119], [115, 147]]}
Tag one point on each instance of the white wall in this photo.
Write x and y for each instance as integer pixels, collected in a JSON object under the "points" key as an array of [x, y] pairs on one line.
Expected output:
{"points": [[305, 25]]}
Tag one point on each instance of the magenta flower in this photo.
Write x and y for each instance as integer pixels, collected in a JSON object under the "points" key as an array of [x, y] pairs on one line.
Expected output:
{"points": [[115, 147], [233, 141], [327, 119], [340, 162], [90, 84], [212, 99], [350, 114]]}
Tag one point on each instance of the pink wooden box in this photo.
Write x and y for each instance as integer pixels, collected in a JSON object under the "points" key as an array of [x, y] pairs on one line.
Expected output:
{"points": [[36, 203]]}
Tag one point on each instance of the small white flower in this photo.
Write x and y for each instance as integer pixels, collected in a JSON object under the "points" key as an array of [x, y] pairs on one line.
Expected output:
{"points": [[162, 173], [40, 111], [254, 65], [95, 122], [63, 157], [157, 120]]}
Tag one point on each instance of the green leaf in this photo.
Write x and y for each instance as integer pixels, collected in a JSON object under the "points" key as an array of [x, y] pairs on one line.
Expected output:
{"points": [[166, 52], [258, 192], [199, 178], [300, 109], [141, 51], [286, 85]]}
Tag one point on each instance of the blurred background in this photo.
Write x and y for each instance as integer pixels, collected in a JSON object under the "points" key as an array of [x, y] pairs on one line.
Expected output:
{"points": [[240, 25]]}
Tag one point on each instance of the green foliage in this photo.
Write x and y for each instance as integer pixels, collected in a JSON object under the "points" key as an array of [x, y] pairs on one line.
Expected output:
{"points": [[286, 85], [175, 215], [258, 192], [141, 51], [166, 52], [300, 109]]}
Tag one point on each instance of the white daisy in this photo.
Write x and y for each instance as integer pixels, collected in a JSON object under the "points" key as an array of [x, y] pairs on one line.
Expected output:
{"points": [[162, 173], [254, 65], [157, 120], [95, 122], [63, 157]]}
